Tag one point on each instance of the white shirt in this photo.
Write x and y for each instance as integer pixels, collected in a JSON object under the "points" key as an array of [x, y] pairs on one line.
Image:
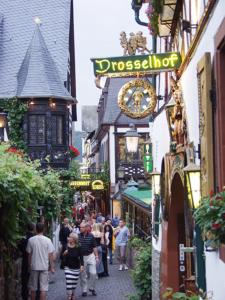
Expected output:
{"points": [[40, 247]]}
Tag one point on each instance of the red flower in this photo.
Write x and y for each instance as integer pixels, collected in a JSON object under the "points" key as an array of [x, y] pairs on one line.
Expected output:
{"points": [[211, 193], [216, 226], [14, 151], [74, 151], [219, 198]]}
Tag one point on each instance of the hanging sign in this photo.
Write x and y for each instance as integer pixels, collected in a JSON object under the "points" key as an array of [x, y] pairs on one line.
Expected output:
{"points": [[128, 65], [88, 184], [97, 185], [79, 183]]}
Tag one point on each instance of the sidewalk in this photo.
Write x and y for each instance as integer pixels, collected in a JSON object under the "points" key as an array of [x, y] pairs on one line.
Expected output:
{"points": [[115, 287]]}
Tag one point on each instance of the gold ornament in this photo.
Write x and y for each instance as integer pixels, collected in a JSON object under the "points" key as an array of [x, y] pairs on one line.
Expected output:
{"points": [[137, 99]]}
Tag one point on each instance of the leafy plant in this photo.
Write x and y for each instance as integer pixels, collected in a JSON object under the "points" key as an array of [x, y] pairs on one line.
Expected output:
{"points": [[142, 272], [15, 110], [210, 216], [169, 294], [136, 242]]}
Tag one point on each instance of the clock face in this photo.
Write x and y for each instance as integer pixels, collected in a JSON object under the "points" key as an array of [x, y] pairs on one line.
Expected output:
{"points": [[137, 99]]}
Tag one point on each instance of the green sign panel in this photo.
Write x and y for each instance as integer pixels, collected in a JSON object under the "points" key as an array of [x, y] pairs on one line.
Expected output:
{"points": [[126, 65]]}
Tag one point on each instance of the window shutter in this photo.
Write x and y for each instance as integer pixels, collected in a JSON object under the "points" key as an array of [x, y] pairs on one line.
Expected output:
{"points": [[205, 123]]}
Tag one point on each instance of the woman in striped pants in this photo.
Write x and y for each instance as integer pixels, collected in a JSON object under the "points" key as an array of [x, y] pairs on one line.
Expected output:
{"points": [[73, 265]]}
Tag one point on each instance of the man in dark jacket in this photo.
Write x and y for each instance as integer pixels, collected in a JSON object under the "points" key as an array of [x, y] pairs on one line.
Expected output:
{"points": [[64, 233], [25, 268]]}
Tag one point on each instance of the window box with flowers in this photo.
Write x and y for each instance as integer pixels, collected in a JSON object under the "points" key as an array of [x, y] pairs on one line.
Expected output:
{"points": [[210, 216], [74, 152], [153, 11]]}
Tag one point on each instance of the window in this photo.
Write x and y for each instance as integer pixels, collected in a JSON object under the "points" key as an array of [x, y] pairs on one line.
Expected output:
{"points": [[57, 129], [37, 129]]}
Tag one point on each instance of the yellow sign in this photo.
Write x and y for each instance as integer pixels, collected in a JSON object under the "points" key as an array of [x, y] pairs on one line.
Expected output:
{"points": [[85, 176], [78, 183], [147, 64], [97, 185]]}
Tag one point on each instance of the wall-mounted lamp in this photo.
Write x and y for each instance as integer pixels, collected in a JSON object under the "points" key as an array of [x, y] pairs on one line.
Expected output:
{"points": [[52, 103], [187, 26], [30, 102], [192, 175], [155, 182], [120, 172]]}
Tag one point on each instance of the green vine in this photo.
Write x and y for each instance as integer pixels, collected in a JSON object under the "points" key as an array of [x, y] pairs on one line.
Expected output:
{"points": [[15, 110], [141, 274]]}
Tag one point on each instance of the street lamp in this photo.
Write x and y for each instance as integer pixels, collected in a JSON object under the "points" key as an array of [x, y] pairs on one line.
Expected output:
{"points": [[120, 172], [132, 139], [192, 174], [155, 182]]}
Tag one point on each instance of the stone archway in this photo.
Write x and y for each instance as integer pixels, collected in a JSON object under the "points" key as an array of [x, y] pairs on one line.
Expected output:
{"points": [[173, 267]]}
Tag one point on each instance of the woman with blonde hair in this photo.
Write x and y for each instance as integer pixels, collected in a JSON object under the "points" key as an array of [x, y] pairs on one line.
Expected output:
{"points": [[73, 264], [99, 236]]}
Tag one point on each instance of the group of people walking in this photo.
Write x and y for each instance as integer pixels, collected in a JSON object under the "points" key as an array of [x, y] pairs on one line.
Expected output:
{"points": [[86, 248], [95, 243]]}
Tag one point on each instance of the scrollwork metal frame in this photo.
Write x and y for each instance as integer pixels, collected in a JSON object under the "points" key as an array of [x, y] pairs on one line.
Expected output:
{"points": [[151, 93]]}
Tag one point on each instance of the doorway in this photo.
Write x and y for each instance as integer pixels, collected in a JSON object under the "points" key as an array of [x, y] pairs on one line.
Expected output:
{"points": [[174, 238]]}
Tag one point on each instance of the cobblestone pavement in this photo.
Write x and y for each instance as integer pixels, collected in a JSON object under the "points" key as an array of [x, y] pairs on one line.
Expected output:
{"points": [[115, 287]]}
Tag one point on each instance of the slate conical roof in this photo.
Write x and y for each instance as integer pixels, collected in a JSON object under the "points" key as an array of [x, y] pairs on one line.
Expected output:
{"points": [[38, 75]]}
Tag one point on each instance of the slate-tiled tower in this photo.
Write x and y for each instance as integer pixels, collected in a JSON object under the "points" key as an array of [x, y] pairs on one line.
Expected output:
{"points": [[37, 66]]}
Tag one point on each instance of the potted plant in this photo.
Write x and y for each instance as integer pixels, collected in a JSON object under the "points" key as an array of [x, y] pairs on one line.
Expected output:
{"points": [[74, 152], [210, 216], [153, 11]]}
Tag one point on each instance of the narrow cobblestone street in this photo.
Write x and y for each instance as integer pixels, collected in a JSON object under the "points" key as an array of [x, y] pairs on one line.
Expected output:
{"points": [[115, 287]]}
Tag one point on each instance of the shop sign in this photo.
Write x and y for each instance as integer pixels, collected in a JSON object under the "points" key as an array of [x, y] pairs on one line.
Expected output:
{"points": [[85, 176], [94, 185], [146, 64], [97, 185], [79, 183]]}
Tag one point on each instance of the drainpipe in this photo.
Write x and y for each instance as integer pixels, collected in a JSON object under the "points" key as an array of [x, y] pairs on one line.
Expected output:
{"points": [[136, 6]]}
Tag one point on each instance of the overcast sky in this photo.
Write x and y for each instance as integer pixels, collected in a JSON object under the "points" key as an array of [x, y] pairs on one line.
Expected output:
{"points": [[98, 24]]}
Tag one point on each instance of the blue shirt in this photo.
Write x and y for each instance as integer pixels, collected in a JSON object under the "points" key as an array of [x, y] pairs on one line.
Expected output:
{"points": [[115, 221], [122, 236]]}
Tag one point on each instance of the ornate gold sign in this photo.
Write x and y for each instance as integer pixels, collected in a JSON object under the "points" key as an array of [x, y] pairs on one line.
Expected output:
{"points": [[137, 99]]}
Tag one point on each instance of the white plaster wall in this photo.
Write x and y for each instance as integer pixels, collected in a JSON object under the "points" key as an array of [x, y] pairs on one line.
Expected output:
{"points": [[112, 155], [215, 268], [215, 275], [189, 78], [161, 141]]}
